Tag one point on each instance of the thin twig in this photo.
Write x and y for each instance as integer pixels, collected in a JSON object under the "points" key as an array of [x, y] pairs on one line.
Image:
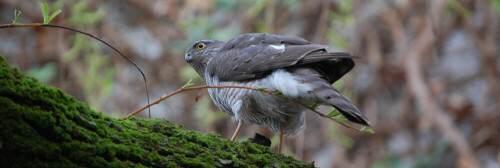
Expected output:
{"points": [[241, 87], [13, 25], [188, 89]]}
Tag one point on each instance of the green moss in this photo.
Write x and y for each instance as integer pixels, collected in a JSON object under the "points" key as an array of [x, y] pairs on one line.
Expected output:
{"points": [[43, 127]]}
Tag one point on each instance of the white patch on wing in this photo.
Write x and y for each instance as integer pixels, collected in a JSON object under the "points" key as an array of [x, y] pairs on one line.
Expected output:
{"points": [[279, 47], [284, 82]]}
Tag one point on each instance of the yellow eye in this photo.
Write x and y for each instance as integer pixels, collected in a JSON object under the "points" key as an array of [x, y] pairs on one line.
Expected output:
{"points": [[200, 46]]}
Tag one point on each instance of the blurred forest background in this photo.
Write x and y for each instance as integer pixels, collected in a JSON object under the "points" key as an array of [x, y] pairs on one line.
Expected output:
{"points": [[430, 80]]}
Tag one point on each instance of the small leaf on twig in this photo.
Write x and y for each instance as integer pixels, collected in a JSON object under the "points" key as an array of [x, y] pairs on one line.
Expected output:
{"points": [[338, 121], [53, 15], [279, 94], [45, 10], [45, 13], [261, 90], [17, 15], [366, 130], [342, 118], [334, 113], [188, 84]]}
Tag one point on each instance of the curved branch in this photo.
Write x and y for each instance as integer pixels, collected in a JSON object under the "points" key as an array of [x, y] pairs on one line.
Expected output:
{"points": [[13, 25]]}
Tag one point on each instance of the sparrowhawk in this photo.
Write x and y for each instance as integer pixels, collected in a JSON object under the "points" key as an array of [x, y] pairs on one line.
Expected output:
{"points": [[291, 65]]}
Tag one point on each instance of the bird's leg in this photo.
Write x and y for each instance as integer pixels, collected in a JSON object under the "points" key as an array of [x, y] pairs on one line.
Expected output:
{"points": [[237, 131], [280, 146]]}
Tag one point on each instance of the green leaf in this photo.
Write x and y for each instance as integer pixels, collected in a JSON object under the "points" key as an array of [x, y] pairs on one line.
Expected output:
{"points": [[45, 13], [366, 130], [338, 120], [188, 84], [279, 94], [261, 90], [342, 118], [45, 10], [53, 15], [333, 113], [17, 15]]}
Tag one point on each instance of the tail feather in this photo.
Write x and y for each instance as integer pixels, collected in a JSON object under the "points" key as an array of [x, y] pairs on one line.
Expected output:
{"points": [[325, 92], [330, 95]]}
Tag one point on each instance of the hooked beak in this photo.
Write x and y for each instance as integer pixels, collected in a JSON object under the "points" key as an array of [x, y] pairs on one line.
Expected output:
{"points": [[189, 58]]}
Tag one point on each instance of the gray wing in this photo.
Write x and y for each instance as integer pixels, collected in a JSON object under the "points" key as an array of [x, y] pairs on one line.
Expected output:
{"points": [[253, 56]]}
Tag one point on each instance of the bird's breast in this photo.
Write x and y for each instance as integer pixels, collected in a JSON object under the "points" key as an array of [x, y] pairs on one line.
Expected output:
{"points": [[252, 107], [228, 99]]}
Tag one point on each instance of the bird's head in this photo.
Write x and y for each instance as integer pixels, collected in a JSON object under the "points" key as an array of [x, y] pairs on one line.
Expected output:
{"points": [[200, 53]]}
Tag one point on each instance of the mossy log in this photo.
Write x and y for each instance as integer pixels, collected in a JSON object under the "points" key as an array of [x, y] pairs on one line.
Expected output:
{"points": [[41, 126]]}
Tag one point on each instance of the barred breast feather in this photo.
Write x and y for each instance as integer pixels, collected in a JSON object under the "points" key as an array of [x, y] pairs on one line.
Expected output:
{"points": [[252, 107]]}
